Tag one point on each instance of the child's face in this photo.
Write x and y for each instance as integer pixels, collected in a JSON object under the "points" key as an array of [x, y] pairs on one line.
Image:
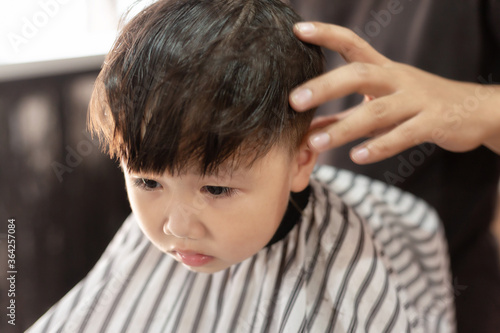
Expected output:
{"points": [[211, 223]]}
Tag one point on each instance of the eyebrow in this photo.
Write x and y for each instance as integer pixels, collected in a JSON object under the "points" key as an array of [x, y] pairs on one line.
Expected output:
{"points": [[221, 172], [225, 172]]}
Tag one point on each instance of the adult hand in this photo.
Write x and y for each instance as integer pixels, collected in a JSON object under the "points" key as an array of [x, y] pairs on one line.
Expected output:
{"points": [[403, 106]]}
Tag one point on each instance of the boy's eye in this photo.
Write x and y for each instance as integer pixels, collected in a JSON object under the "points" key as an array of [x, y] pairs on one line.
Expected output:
{"points": [[219, 191], [147, 184]]}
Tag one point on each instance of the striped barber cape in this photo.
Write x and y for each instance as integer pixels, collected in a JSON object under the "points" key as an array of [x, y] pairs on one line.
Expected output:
{"points": [[365, 257]]}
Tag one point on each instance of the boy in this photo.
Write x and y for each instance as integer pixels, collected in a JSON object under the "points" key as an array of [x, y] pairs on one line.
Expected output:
{"points": [[229, 232]]}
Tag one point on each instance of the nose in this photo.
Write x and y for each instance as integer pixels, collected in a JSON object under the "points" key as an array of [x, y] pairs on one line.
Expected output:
{"points": [[182, 222]]}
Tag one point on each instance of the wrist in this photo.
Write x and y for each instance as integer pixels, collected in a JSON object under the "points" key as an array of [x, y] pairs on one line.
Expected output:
{"points": [[492, 117]]}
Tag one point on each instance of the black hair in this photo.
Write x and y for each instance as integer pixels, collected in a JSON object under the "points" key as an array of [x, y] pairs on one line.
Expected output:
{"points": [[202, 83]]}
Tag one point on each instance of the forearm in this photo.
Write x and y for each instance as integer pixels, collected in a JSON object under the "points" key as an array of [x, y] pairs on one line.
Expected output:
{"points": [[492, 121]]}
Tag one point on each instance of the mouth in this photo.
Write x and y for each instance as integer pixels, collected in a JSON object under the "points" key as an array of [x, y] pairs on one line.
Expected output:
{"points": [[191, 258]]}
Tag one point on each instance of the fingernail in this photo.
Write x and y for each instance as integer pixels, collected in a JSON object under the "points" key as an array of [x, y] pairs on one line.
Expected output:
{"points": [[360, 155], [305, 28], [320, 141], [301, 97]]}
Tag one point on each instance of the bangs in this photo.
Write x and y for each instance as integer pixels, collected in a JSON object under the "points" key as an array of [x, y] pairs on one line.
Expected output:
{"points": [[195, 123], [175, 95]]}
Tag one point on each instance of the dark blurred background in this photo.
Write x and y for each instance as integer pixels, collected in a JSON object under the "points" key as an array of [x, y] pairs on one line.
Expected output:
{"points": [[67, 197]]}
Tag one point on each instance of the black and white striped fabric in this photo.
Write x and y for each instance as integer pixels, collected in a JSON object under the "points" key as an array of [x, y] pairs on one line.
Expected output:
{"points": [[366, 257]]}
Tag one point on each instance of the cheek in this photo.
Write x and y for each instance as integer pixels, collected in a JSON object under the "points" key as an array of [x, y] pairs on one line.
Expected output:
{"points": [[247, 227], [272, 206], [147, 212]]}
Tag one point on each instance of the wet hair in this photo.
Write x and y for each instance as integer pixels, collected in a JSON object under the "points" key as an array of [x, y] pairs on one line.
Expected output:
{"points": [[202, 84]]}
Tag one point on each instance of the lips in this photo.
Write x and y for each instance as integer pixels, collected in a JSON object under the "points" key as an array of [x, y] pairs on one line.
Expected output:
{"points": [[191, 258]]}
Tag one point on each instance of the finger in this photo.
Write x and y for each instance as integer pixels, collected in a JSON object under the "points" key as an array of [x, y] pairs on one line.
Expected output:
{"points": [[381, 131], [323, 121], [320, 122], [340, 39], [372, 118], [365, 120], [409, 134], [368, 98], [362, 78], [346, 113]]}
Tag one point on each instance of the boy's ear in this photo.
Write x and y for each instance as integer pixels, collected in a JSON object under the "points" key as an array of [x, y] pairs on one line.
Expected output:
{"points": [[303, 165]]}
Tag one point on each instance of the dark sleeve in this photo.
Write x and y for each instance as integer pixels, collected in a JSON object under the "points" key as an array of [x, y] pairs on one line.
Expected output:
{"points": [[494, 18], [492, 39]]}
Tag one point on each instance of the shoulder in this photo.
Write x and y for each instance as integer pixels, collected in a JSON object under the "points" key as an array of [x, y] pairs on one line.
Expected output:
{"points": [[93, 300], [375, 201], [379, 237]]}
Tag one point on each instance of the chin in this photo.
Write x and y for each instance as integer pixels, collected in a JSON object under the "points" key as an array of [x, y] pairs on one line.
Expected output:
{"points": [[203, 269]]}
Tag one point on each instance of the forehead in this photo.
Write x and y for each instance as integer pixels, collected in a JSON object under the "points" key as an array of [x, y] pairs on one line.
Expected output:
{"points": [[233, 169]]}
